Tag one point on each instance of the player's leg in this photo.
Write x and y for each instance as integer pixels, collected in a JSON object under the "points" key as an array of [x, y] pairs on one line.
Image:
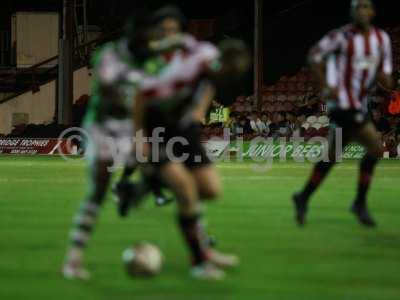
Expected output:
{"points": [[206, 176], [208, 185], [319, 173], [182, 183], [123, 189], [129, 168], [126, 191], [208, 182], [153, 182], [367, 136], [99, 178]]}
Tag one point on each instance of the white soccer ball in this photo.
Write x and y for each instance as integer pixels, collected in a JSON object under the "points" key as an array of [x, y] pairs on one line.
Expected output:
{"points": [[143, 259]]}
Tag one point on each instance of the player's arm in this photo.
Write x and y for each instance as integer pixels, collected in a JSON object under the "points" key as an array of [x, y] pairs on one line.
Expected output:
{"points": [[317, 59], [138, 112], [384, 76], [206, 95], [138, 118], [107, 70]]}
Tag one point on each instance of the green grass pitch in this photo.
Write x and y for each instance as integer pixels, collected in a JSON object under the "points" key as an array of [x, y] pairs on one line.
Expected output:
{"points": [[333, 258]]}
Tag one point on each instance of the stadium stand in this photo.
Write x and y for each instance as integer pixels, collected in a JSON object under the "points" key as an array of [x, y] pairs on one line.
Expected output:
{"points": [[290, 95], [296, 95]]}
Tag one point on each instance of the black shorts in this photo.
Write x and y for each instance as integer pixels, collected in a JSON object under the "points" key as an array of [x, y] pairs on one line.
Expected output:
{"points": [[181, 145], [349, 119]]}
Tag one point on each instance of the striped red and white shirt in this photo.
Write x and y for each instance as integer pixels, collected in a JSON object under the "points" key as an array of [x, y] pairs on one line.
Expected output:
{"points": [[175, 92], [354, 60], [184, 67]]}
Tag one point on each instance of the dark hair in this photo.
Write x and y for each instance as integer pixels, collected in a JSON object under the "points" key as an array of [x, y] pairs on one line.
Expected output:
{"points": [[167, 12], [354, 3], [136, 32], [232, 48]]}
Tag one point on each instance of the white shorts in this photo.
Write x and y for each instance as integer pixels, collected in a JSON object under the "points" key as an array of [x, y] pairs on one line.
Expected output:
{"points": [[111, 140]]}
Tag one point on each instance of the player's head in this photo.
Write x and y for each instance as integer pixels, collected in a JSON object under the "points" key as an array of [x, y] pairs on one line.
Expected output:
{"points": [[362, 12], [140, 32], [170, 20], [230, 70], [169, 23], [235, 57]]}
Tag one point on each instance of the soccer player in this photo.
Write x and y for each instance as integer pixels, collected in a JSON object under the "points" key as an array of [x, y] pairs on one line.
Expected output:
{"points": [[355, 57], [116, 69], [170, 101], [171, 22]]}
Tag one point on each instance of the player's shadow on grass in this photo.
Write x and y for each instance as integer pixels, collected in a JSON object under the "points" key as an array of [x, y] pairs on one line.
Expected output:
{"points": [[173, 283]]}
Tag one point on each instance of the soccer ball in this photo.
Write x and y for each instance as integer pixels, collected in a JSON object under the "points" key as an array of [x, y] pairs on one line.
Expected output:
{"points": [[143, 260]]}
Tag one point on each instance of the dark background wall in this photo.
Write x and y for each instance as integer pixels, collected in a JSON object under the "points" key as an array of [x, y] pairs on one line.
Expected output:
{"points": [[290, 26]]}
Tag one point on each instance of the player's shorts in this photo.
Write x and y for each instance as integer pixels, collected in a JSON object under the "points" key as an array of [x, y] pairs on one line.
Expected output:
{"points": [[111, 140], [181, 145], [348, 119]]}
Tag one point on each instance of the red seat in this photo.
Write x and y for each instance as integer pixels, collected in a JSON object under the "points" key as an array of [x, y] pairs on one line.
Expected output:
{"points": [[281, 98], [248, 108], [288, 106], [301, 87], [240, 108], [292, 98]]}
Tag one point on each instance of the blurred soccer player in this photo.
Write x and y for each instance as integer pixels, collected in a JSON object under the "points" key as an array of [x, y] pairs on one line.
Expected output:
{"points": [[109, 126], [171, 22], [359, 56], [171, 100]]}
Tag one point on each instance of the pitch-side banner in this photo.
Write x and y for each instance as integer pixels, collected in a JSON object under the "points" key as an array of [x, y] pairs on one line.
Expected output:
{"points": [[264, 150], [34, 146]]}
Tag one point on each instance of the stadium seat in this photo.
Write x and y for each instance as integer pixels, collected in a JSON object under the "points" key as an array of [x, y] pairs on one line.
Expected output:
{"points": [[284, 79], [270, 108], [301, 86], [292, 98], [241, 99], [281, 98], [240, 108], [248, 108], [288, 106], [280, 107], [291, 87], [264, 106]]}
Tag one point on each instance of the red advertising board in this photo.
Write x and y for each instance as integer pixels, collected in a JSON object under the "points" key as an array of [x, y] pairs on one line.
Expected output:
{"points": [[35, 146]]}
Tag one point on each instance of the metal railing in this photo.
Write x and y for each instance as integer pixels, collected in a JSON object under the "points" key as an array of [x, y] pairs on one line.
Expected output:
{"points": [[5, 48], [31, 78]]}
